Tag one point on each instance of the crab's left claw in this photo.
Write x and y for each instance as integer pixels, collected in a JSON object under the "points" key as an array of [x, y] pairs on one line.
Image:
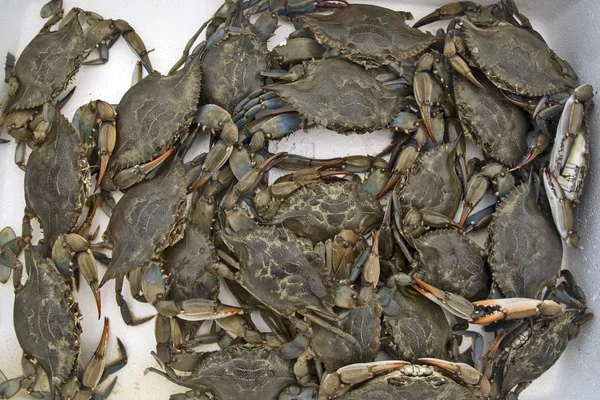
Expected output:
{"points": [[452, 10], [454, 303], [537, 146], [465, 373]]}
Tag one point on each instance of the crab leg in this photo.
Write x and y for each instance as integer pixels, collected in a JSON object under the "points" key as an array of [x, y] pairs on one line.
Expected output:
{"points": [[128, 318]]}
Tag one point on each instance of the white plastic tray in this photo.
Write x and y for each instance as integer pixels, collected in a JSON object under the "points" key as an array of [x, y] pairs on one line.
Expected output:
{"points": [[570, 27]]}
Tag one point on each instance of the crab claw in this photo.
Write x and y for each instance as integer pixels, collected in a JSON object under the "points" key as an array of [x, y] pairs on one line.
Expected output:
{"points": [[513, 308], [95, 368], [107, 139], [562, 209], [423, 88], [537, 146], [357, 373], [195, 309], [463, 372], [452, 10], [332, 4], [454, 303], [457, 62]]}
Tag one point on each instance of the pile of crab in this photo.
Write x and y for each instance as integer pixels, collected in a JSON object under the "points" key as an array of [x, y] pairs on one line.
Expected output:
{"points": [[356, 277]]}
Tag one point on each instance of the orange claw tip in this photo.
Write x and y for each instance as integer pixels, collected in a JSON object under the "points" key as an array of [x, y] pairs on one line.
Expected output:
{"points": [[97, 297], [488, 319]]}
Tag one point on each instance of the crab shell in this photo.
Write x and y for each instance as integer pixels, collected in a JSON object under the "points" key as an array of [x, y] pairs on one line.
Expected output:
{"points": [[369, 35], [46, 319], [47, 64], [515, 59], [231, 69], [410, 382], [148, 218], [364, 324], [341, 96], [497, 126], [318, 212], [152, 116], [453, 262], [548, 340], [282, 272], [243, 372], [416, 326], [432, 184], [525, 248], [57, 181], [187, 262]]}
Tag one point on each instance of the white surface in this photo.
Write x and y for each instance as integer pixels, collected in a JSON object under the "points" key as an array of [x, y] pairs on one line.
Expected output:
{"points": [[165, 25]]}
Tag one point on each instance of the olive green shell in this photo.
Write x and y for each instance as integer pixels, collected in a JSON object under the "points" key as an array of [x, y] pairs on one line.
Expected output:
{"points": [[368, 35], [515, 59], [148, 218], [416, 326], [497, 126], [319, 212], [282, 272], [525, 247], [432, 184], [57, 181], [548, 340], [396, 385], [341, 96], [364, 324], [243, 372], [231, 69], [46, 65], [152, 115], [46, 319], [451, 261], [187, 261]]}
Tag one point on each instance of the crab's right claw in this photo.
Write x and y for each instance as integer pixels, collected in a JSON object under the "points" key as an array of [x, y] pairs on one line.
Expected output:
{"points": [[457, 62], [467, 374], [492, 310], [454, 303]]}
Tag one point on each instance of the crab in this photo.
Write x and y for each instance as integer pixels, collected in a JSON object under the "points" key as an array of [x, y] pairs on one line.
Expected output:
{"points": [[56, 191], [249, 371], [442, 191], [431, 379], [291, 277], [47, 324], [49, 62], [476, 105], [414, 326], [525, 252], [523, 355], [333, 93], [148, 218], [517, 73], [318, 211], [448, 258], [233, 45], [369, 35]]}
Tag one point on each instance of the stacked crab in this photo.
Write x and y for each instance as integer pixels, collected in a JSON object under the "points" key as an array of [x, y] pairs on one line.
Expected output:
{"points": [[365, 286]]}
